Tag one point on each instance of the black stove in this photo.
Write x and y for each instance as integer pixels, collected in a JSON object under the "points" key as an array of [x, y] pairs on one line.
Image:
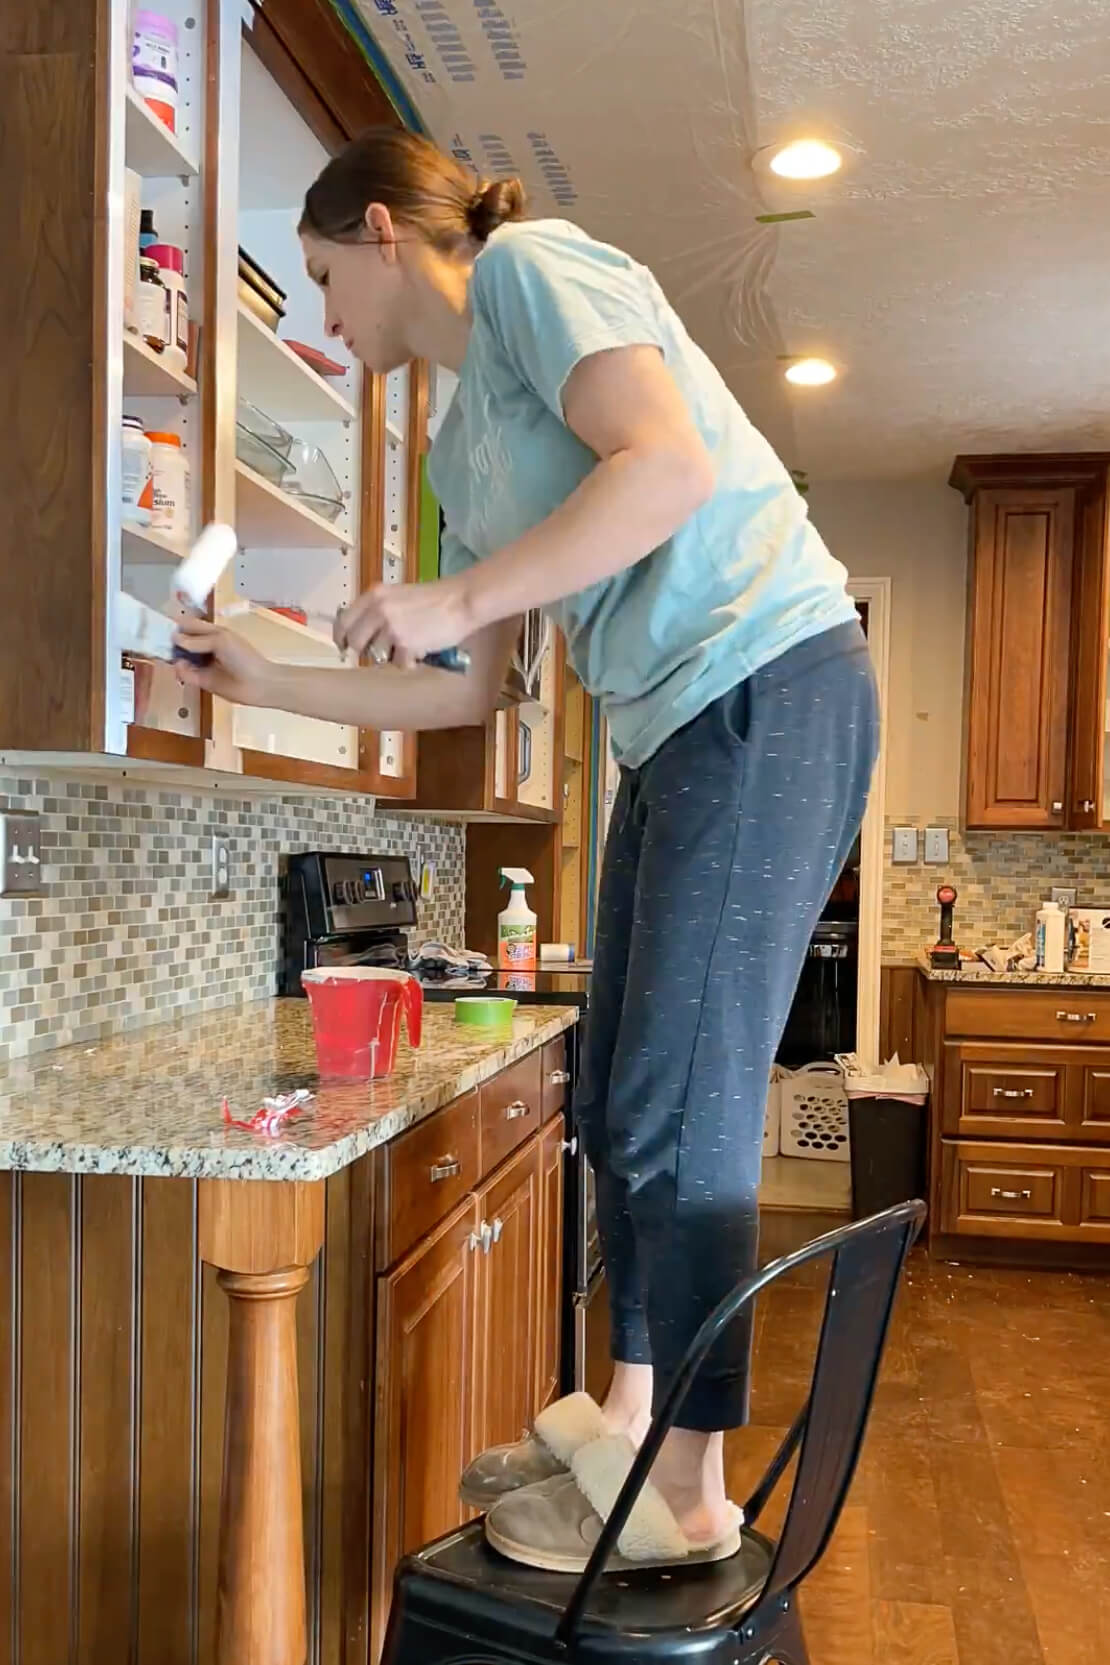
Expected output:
{"points": [[564, 985]]}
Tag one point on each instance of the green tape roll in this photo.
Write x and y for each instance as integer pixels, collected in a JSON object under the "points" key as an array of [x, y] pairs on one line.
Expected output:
{"points": [[481, 1012]]}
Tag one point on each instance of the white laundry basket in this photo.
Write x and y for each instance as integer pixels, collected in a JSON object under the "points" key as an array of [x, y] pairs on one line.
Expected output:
{"points": [[813, 1109], [772, 1121]]}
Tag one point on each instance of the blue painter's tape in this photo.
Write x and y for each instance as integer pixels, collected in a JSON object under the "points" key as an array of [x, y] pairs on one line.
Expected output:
{"points": [[391, 83]]}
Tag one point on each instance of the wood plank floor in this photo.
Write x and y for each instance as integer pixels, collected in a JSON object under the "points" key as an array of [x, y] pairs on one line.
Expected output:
{"points": [[978, 1529]]}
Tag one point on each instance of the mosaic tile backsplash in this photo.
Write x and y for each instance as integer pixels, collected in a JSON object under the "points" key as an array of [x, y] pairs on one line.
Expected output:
{"points": [[125, 931], [1001, 878]]}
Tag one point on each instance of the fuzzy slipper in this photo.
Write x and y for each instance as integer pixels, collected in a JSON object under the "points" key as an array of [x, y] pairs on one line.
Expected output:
{"points": [[558, 1432], [555, 1525]]}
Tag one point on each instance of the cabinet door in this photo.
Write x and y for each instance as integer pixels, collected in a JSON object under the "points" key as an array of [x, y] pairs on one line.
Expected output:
{"points": [[509, 1208], [425, 1427], [1019, 644], [551, 1261], [1088, 724]]}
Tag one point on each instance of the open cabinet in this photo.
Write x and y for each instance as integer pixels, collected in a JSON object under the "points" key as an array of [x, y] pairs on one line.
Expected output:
{"points": [[318, 475]]}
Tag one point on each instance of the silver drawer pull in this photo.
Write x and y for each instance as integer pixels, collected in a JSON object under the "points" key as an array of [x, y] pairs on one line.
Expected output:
{"points": [[1010, 1196], [1013, 1092], [480, 1239], [513, 1112], [1076, 1017], [449, 1167], [559, 1078]]}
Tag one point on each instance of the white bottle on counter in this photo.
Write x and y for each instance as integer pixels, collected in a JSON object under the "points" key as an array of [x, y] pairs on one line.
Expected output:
{"points": [[1051, 931]]}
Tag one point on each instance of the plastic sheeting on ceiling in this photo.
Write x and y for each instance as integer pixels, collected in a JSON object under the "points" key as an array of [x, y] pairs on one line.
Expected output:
{"points": [[632, 120]]}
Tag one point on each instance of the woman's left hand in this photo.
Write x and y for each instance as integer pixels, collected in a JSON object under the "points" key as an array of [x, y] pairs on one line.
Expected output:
{"points": [[402, 623]]}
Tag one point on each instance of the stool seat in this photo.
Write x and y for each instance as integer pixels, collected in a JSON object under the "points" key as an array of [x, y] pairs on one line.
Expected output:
{"points": [[678, 1615]]}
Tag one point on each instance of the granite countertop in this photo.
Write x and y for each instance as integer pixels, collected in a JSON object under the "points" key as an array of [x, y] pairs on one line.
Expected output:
{"points": [[974, 971], [151, 1101]]}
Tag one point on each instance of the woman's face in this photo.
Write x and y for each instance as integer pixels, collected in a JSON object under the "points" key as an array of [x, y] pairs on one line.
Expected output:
{"points": [[364, 292]]}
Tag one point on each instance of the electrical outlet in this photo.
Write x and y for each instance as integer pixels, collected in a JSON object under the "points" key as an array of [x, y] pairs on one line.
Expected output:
{"points": [[905, 845], [936, 845], [1065, 895], [20, 860], [221, 868]]}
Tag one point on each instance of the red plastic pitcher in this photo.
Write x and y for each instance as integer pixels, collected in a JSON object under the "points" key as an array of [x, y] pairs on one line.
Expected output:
{"points": [[356, 1015]]}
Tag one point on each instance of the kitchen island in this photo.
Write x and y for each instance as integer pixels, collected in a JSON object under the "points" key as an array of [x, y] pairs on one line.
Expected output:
{"points": [[165, 1284]]}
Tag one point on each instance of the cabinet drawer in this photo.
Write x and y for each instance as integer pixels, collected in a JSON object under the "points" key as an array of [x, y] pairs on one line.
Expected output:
{"points": [[1072, 1015], [1005, 1092], [993, 1090], [556, 1078], [425, 1173], [511, 1110], [1037, 1192]]}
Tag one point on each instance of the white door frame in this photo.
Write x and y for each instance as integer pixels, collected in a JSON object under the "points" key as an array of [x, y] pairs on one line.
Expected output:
{"points": [[876, 593]]}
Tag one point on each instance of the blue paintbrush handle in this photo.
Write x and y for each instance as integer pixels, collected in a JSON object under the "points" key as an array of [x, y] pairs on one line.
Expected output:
{"points": [[449, 659]]}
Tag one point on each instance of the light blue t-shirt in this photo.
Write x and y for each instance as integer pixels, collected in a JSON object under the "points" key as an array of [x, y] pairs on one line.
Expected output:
{"points": [[746, 578]]}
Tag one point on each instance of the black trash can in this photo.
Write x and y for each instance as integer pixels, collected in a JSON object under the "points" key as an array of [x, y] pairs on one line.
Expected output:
{"points": [[887, 1137]]}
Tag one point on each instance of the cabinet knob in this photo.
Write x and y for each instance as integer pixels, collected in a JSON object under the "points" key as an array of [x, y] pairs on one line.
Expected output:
{"points": [[570, 1146], [1076, 1017], [449, 1167], [514, 1112], [1010, 1196], [1057, 807], [559, 1078], [1087, 806], [498, 1228]]}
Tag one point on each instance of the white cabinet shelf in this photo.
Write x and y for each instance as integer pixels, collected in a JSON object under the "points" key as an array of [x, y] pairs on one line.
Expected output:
{"points": [[150, 544], [279, 638], [150, 148], [272, 377], [268, 518], [146, 375]]}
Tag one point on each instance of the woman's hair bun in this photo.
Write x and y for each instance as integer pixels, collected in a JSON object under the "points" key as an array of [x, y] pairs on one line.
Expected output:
{"points": [[493, 205]]}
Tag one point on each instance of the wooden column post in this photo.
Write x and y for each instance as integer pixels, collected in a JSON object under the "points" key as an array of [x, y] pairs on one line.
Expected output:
{"points": [[262, 1237]]}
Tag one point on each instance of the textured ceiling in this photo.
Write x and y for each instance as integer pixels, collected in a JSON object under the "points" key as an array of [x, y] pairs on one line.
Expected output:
{"points": [[957, 270]]}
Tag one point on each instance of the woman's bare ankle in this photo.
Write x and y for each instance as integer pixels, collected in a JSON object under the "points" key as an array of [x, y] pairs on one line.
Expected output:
{"points": [[627, 1407], [690, 1474]]}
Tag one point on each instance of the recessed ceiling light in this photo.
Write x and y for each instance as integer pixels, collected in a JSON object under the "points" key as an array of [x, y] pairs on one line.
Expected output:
{"points": [[811, 372], [806, 159]]}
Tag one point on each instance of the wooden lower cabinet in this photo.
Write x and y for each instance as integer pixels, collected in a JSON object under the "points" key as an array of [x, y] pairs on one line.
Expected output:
{"points": [[509, 1300], [424, 1432], [1020, 1121], [549, 1353], [468, 1331]]}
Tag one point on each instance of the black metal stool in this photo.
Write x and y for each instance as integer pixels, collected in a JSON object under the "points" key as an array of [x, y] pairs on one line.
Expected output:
{"points": [[459, 1603]]}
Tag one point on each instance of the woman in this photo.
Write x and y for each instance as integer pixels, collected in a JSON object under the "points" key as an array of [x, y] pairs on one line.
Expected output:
{"points": [[593, 463]]}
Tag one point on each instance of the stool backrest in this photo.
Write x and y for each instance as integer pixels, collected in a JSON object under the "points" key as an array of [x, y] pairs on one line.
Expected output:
{"points": [[867, 1260]]}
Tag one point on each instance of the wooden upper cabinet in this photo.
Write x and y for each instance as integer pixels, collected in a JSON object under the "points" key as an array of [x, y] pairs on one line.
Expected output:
{"points": [[512, 765], [1037, 641], [265, 95]]}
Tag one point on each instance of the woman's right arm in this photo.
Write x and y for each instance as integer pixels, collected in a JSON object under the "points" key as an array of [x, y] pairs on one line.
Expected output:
{"points": [[365, 696]]}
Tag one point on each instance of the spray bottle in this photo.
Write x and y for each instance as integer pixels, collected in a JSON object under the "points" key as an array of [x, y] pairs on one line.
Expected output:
{"points": [[516, 924]]}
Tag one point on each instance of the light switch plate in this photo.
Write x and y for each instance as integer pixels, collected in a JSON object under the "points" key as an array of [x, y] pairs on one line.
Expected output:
{"points": [[936, 845], [20, 859], [905, 845]]}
